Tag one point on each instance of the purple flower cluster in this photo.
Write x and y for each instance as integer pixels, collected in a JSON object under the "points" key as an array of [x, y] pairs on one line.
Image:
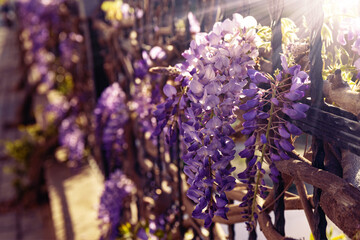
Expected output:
{"points": [[111, 115], [42, 26], [269, 132], [57, 106], [142, 104], [35, 18], [157, 228], [72, 138], [145, 92], [212, 81], [349, 30], [117, 188]]}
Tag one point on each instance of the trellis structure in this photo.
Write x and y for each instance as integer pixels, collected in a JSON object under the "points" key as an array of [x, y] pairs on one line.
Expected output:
{"points": [[332, 128]]}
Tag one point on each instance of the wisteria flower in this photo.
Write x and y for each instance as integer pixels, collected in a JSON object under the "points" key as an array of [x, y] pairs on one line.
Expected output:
{"points": [[72, 138], [111, 115], [269, 131], [117, 189], [212, 80]]}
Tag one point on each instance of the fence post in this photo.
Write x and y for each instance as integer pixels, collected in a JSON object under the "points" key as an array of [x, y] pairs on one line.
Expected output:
{"points": [[315, 19]]}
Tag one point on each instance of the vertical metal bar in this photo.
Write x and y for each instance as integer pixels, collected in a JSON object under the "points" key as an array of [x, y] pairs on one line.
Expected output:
{"points": [[315, 19], [275, 10], [179, 183]]}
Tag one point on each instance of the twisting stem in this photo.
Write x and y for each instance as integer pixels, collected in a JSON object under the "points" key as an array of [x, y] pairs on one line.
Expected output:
{"points": [[258, 172]]}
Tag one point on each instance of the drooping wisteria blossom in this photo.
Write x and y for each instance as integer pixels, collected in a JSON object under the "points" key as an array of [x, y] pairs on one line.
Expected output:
{"points": [[49, 37], [72, 138], [111, 115], [268, 128], [117, 188], [57, 106], [212, 79], [143, 105]]}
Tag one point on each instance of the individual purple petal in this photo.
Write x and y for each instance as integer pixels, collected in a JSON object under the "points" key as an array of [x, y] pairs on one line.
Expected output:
{"points": [[193, 147], [169, 90], [257, 77], [263, 138], [221, 201], [282, 131], [243, 175], [283, 155], [250, 124], [250, 92], [300, 107], [157, 53], [251, 72], [248, 130], [276, 142], [250, 115], [221, 212], [209, 73], [227, 130], [273, 170], [286, 145], [227, 26], [213, 123], [302, 76], [294, 95], [250, 141], [275, 157], [196, 87], [293, 114], [249, 104], [211, 102], [252, 162], [263, 115], [284, 64], [252, 103], [244, 107], [294, 130], [275, 101], [208, 221], [194, 194], [246, 153], [213, 88], [294, 70], [260, 78]]}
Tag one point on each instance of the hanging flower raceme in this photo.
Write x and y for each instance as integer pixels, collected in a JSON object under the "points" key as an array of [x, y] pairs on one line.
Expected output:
{"points": [[145, 95], [111, 115], [212, 81], [72, 138], [266, 123], [117, 188]]}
